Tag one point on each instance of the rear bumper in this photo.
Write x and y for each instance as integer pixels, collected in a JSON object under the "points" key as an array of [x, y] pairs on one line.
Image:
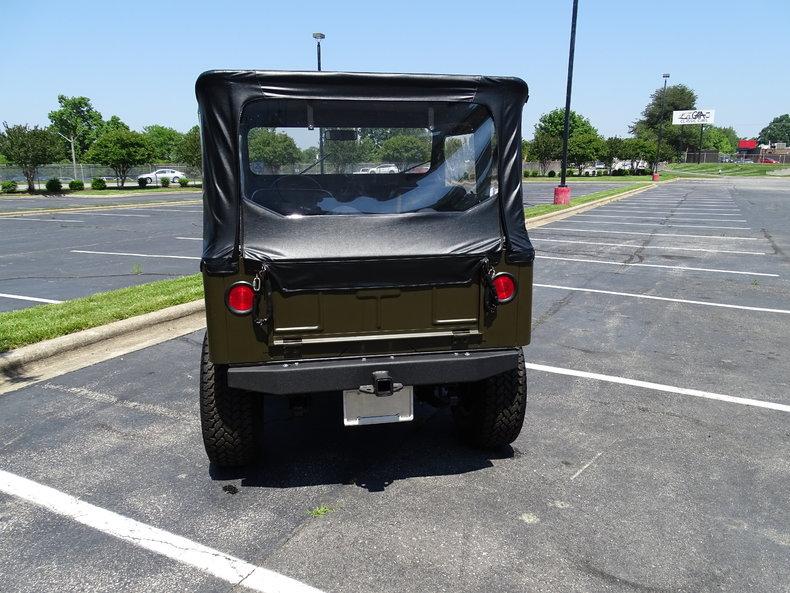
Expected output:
{"points": [[336, 374]]}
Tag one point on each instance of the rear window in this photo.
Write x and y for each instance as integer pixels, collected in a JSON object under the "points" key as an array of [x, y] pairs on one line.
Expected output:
{"points": [[307, 158]]}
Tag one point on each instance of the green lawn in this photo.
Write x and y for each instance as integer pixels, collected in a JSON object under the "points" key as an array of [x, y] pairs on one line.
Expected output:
{"points": [[110, 192], [27, 326], [540, 209], [729, 169]]}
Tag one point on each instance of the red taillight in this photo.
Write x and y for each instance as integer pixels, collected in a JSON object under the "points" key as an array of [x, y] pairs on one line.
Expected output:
{"points": [[505, 287], [240, 298]]}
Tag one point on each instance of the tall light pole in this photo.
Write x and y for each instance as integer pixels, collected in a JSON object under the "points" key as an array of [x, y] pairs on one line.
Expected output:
{"points": [[661, 126], [318, 37], [562, 194]]}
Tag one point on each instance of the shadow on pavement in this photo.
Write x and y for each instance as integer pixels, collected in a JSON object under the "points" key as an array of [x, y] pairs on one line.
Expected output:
{"points": [[317, 449]]}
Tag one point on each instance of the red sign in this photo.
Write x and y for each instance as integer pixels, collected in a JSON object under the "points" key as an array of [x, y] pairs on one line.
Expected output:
{"points": [[747, 144]]}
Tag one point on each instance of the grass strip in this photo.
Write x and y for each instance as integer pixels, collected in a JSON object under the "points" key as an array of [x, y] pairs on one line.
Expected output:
{"points": [[728, 169], [665, 175], [540, 209], [34, 324]]}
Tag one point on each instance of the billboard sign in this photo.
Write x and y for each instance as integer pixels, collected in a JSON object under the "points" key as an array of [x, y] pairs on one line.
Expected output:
{"points": [[693, 116]]}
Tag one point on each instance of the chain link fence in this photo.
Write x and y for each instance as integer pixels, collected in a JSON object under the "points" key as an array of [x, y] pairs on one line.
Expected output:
{"points": [[88, 171], [713, 156]]}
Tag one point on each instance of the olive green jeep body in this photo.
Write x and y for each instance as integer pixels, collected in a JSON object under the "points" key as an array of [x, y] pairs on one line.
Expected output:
{"points": [[363, 234]]}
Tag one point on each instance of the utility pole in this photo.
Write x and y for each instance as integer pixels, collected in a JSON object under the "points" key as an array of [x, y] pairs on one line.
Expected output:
{"points": [[699, 152], [318, 37], [660, 127], [73, 154], [562, 193]]}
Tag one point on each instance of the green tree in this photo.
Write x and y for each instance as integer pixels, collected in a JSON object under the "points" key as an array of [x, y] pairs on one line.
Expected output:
{"points": [[309, 155], [189, 150], [776, 131], [545, 148], [657, 112], [722, 139], [526, 150], [553, 123], [29, 148], [273, 149], [114, 123], [120, 150], [638, 149], [379, 135], [344, 153], [78, 121], [612, 149], [163, 142], [584, 146], [405, 150]]}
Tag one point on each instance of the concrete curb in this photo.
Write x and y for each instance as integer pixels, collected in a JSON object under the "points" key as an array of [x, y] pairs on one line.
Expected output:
{"points": [[73, 209], [560, 214], [36, 362]]}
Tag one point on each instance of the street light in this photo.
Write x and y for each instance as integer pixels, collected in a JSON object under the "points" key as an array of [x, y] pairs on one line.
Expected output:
{"points": [[660, 127], [318, 37], [562, 194]]}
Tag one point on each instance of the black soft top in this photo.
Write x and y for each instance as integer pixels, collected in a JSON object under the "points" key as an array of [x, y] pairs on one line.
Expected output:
{"points": [[221, 96]]}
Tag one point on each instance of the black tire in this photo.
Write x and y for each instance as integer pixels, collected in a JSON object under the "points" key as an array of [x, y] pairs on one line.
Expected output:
{"points": [[489, 414], [149, 181], [175, 179], [229, 418]]}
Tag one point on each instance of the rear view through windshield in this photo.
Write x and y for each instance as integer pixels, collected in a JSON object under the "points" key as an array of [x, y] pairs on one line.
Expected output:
{"points": [[303, 158]]}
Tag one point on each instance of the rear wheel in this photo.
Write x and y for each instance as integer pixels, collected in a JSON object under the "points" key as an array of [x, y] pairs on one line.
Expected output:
{"points": [[229, 417], [148, 180], [490, 413]]}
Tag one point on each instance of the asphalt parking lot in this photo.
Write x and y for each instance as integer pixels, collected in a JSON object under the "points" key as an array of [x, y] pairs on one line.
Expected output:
{"points": [[66, 254], [654, 456]]}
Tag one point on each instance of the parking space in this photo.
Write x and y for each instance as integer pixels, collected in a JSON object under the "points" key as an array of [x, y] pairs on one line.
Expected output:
{"points": [[542, 192], [61, 255], [653, 458]]}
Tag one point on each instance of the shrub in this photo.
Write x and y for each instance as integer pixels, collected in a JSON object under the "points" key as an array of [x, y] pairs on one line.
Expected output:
{"points": [[98, 183], [53, 185], [76, 184], [552, 173], [164, 182], [570, 173], [535, 173], [8, 187], [142, 182], [604, 172], [183, 181]]}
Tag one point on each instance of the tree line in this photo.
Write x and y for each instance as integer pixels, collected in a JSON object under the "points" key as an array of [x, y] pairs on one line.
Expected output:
{"points": [[587, 145], [78, 131]]}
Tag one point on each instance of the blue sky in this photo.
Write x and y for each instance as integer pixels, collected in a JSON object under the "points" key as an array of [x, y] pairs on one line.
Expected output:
{"points": [[139, 60]]}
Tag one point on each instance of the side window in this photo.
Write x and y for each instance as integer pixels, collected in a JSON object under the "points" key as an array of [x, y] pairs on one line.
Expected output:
{"points": [[459, 157]]}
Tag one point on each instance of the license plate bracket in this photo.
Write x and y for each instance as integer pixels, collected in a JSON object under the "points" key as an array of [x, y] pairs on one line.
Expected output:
{"points": [[361, 408]]}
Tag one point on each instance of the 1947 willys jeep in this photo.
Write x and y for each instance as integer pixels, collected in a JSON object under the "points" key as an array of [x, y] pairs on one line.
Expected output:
{"points": [[363, 234]]}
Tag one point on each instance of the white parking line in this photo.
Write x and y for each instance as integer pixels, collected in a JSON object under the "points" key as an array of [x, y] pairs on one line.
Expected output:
{"points": [[666, 213], [19, 297], [156, 209], [658, 298], [548, 229], [658, 218], [744, 401], [108, 214], [675, 226], [230, 569], [134, 254], [677, 208], [682, 268], [671, 247], [190, 238], [39, 219]]}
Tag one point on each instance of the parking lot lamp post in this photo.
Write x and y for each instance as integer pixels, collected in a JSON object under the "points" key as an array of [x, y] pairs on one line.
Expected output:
{"points": [[318, 37], [562, 193], [660, 127]]}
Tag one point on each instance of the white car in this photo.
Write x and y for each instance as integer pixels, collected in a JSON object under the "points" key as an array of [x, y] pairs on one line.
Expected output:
{"points": [[155, 177], [385, 168]]}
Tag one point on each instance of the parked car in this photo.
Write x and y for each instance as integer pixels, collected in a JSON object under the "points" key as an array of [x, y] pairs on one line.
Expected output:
{"points": [[170, 174], [385, 168], [362, 171], [768, 161]]}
